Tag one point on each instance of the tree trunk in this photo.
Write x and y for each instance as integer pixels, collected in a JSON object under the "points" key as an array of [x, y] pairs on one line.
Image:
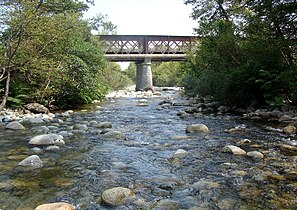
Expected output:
{"points": [[6, 93]]}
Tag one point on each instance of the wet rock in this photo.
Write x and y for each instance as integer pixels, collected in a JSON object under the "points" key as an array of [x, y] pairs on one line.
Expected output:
{"points": [[244, 142], [52, 148], [46, 139], [142, 104], [117, 135], [32, 161], [41, 129], [234, 150], [224, 109], [179, 137], [55, 206], [166, 204], [285, 118], [228, 165], [116, 196], [180, 153], [255, 154], [227, 204], [191, 110], [81, 127], [238, 173], [166, 101], [197, 128], [104, 125], [36, 108], [288, 149], [290, 129], [36, 150], [205, 185], [15, 125], [237, 130]]}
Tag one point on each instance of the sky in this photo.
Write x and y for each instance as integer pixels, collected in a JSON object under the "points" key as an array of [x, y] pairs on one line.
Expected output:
{"points": [[146, 17]]}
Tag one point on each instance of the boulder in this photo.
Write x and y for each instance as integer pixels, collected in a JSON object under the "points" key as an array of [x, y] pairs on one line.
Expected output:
{"points": [[197, 128], [234, 150], [290, 129], [46, 139], [32, 161], [116, 196], [255, 154], [15, 125], [36, 108], [117, 135], [55, 206]]}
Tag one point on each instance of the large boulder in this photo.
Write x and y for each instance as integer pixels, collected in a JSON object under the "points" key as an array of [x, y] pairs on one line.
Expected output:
{"points": [[15, 125], [36, 108], [197, 128], [55, 206], [234, 150], [47, 139], [116, 196], [32, 161]]}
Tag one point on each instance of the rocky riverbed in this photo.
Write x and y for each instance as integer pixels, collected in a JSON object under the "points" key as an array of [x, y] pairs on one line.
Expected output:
{"points": [[144, 150]]}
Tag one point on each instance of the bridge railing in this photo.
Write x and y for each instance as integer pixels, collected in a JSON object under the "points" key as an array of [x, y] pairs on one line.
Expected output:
{"points": [[147, 44]]}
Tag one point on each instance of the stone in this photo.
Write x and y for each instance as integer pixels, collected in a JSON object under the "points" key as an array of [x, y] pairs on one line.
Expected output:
{"points": [[32, 161], [46, 139], [41, 129], [255, 154], [290, 129], [234, 150], [238, 173], [288, 149], [104, 125], [117, 135], [55, 206], [166, 204], [36, 108], [52, 148], [285, 118], [35, 120], [82, 127], [205, 185], [180, 153], [15, 125], [116, 196], [244, 142], [197, 128]]}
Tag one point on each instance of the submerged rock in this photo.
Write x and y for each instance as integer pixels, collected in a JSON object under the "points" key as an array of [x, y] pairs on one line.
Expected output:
{"points": [[55, 206], [116, 196], [197, 128], [117, 135], [47, 139], [32, 161], [15, 125], [234, 150]]}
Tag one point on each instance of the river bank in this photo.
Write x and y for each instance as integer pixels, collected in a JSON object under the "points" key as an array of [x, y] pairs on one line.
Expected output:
{"points": [[138, 142]]}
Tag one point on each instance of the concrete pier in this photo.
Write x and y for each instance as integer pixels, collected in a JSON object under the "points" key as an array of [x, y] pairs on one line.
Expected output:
{"points": [[144, 77]]}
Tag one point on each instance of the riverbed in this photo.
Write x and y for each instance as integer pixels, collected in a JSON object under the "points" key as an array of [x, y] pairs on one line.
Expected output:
{"points": [[147, 161]]}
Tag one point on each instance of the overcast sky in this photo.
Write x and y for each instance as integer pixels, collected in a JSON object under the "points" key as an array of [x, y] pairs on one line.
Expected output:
{"points": [[146, 17]]}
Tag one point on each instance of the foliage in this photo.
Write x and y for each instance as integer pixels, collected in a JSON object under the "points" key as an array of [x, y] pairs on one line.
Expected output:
{"points": [[48, 50], [248, 60], [166, 74], [131, 71]]}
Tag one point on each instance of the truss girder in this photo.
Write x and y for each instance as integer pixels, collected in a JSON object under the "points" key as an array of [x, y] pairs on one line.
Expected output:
{"points": [[148, 44]]}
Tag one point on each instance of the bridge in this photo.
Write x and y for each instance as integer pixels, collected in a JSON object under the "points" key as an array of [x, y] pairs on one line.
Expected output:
{"points": [[143, 49]]}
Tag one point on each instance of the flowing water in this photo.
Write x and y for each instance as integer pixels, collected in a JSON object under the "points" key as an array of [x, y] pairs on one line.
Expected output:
{"points": [[205, 178]]}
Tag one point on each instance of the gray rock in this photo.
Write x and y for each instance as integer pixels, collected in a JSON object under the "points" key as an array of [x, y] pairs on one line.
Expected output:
{"points": [[34, 120], [32, 161], [234, 150], [41, 129], [116, 196], [197, 128], [116, 135], [15, 125], [180, 153], [285, 118], [36, 108], [104, 125], [52, 148], [255, 154], [166, 204], [45, 139], [82, 127]]}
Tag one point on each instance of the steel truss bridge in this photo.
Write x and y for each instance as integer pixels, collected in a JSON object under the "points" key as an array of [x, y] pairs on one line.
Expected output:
{"points": [[137, 48]]}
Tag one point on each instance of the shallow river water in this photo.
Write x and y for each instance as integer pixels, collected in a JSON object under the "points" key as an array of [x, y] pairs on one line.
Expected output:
{"points": [[204, 178]]}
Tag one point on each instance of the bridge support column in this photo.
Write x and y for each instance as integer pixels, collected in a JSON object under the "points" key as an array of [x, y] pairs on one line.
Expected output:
{"points": [[144, 77]]}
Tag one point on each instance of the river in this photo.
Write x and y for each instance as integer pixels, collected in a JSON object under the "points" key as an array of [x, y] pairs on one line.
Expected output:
{"points": [[202, 178]]}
